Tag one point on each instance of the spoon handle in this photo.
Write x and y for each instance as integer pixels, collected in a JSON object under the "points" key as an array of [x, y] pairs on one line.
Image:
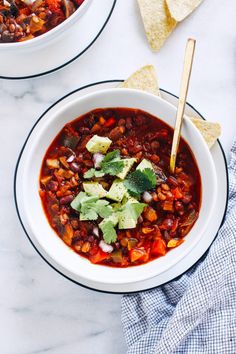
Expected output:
{"points": [[188, 62]]}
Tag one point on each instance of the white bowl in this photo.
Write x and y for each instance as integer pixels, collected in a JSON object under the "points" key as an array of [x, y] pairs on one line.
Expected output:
{"points": [[65, 258], [48, 37]]}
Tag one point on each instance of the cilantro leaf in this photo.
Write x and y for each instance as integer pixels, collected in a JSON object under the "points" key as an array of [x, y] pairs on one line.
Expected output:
{"points": [[80, 199], [88, 214], [150, 174], [140, 181], [90, 173], [93, 173], [109, 232], [115, 154], [99, 173], [103, 208], [112, 163], [113, 168], [90, 207]]}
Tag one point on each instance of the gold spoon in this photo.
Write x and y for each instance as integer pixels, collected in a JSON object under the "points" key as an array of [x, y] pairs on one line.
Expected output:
{"points": [[188, 62]]}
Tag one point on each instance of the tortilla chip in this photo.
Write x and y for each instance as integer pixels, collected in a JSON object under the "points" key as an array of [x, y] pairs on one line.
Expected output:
{"points": [[180, 9], [157, 21], [144, 79], [210, 131]]}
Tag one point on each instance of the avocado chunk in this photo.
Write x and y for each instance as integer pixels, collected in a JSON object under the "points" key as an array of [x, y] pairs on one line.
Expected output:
{"points": [[128, 216], [144, 164], [128, 199], [117, 191], [95, 189], [113, 218], [128, 163], [98, 144], [126, 221]]}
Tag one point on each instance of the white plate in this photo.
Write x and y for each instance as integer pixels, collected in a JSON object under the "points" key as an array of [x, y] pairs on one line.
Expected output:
{"points": [[183, 265], [75, 42]]}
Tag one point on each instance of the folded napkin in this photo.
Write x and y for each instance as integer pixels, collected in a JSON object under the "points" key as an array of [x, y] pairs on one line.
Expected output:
{"points": [[195, 313]]}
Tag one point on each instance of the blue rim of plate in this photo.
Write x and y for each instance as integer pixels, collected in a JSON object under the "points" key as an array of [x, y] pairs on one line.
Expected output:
{"points": [[22, 224], [69, 61]]}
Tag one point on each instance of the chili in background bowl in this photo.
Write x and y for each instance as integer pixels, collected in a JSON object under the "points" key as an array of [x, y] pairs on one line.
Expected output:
{"points": [[53, 34], [53, 246]]}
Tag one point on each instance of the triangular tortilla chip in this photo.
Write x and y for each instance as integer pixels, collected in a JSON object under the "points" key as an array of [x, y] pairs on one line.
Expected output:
{"points": [[157, 21], [180, 9], [210, 131], [144, 79]]}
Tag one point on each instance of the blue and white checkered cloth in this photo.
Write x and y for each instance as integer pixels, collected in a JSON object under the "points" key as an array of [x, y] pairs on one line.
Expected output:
{"points": [[197, 312]]}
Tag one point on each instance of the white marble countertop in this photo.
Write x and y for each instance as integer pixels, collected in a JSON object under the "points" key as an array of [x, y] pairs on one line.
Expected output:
{"points": [[40, 311]]}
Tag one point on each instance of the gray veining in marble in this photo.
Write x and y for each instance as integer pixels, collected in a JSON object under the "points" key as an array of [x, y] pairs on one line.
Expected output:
{"points": [[40, 311]]}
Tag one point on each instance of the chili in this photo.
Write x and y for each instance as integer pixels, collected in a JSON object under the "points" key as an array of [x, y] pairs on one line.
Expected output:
{"points": [[172, 206]]}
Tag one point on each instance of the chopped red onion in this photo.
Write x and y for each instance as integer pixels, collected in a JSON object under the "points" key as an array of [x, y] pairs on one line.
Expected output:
{"points": [[105, 247], [6, 3], [96, 231], [147, 197], [97, 158], [71, 158]]}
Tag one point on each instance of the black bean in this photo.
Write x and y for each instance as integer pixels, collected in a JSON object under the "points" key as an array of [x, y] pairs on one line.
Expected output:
{"points": [[155, 145], [91, 238], [116, 133], [167, 224], [84, 130], [66, 200], [129, 123], [74, 166], [179, 207], [173, 181], [52, 186], [186, 198], [75, 224], [121, 122], [14, 9]]}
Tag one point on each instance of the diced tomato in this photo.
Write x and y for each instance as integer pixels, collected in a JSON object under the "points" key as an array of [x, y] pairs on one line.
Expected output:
{"points": [[136, 254], [158, 247], [99, 256], [177, 193], [94, 249], [54, 5], [146, 256], [111, 121]]}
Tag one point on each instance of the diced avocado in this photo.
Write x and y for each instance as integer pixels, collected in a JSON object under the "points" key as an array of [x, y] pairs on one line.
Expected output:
{"points": [[128, 216], [117, 191], [144, 164], [113, 218], [127, 167], [128, 199], [95, 188], [98, 144], [126, 221]]}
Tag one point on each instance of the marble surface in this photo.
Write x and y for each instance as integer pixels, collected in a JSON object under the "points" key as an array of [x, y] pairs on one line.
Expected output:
{"points": [[40, 311]]}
